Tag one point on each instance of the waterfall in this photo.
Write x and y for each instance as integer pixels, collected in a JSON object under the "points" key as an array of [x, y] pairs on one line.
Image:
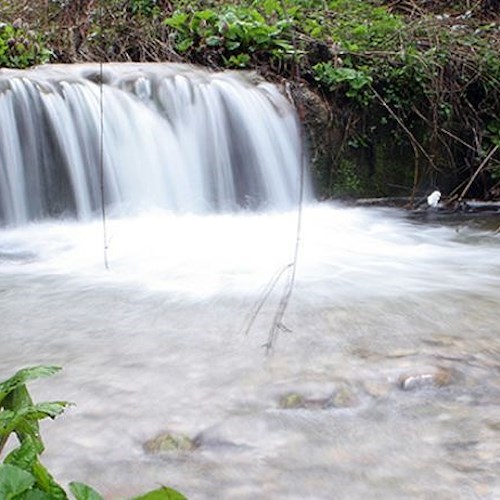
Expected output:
{"points": [[175, 137]]}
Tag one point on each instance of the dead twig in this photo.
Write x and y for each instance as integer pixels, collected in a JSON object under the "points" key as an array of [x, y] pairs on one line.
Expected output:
{"points": [[476, 173], [405, 128]]}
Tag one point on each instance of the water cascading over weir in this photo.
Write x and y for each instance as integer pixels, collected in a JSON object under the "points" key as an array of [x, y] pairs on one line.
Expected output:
{"points": [[174, 137]]}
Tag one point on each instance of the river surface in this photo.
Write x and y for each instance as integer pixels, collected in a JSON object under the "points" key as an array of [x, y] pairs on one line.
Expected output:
{"points": [[384, 382]]}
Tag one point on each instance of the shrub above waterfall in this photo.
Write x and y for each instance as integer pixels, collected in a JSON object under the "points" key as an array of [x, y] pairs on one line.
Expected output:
{"points": [[20, 48], [231, 33]]}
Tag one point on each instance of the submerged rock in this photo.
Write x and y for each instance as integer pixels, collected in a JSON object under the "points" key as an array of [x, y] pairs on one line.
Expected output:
{"points": [[440, 378], [494, 426], [167, 442], [291, 401], [343, 397], [377, 388], [295, 401]]}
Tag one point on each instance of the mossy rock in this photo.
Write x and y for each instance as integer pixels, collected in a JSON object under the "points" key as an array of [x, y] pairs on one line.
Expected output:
{"points": [[292, 401], [167, 442], [296, 401], [343, 397]]}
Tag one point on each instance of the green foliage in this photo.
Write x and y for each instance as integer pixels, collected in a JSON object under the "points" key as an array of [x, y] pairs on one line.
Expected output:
{"points": [[426, 81], [83, 492], [355, 82], [163, 493], [22, 475], [20, 416], [148, 8], [20, 48], [493, 131], [23, 376], [347, 181], [359, 25], [14, 481], [234, 33]]}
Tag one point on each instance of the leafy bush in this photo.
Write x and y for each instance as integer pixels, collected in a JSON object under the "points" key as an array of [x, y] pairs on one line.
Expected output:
{"points": [[234, 33], [356, 82], [359, 26], [347, 181], [147, 8], [20, 48], [22, 475]]}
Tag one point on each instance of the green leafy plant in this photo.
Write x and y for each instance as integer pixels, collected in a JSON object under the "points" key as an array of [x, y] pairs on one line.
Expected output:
{"points": [[148, 8], [347, 181], [493, 131], [359, 25], [356, 82], [22, 475], [22, 471], [234, 33], [20, 48]]}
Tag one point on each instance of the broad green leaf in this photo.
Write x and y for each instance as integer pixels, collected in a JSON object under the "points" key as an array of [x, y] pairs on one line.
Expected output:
{"points": [[17, 399], [14, 481], [233, 45], [5, 417], [51, 409], [25, 375], [163, 493], [22, 426], [83, 492], [47, 483], [184, 45], [35, 494], [25, 456], [19, 402], [24, 421], [33, 412], [177, 21], [213, 41], [206, 15]]}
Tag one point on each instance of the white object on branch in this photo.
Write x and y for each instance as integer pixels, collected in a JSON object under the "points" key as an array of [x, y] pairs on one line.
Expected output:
{"points": [[433, 199]]}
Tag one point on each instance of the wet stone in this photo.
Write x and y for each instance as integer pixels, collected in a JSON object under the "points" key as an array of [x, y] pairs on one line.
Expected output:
{"points": [[296, 401], [344, 398], [292, 401], [377, 389], [168, 443], [494, 426], [341, 398], [426, 380]]}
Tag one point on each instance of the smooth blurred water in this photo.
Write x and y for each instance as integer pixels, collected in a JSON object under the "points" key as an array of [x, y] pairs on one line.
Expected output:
{"points": [[151, 136], [156, 343]]}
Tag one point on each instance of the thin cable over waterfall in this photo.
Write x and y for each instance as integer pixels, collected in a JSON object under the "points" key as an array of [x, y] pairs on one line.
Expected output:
{"points": [[101, 152], [277, 323]]}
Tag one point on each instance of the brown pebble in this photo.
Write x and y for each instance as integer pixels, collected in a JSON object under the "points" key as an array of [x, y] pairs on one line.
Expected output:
{"points": [[440, 378]]}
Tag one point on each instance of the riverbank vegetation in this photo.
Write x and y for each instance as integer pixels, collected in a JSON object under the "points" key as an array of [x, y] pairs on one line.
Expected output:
{"points": [[22, 474], [397, 96]]}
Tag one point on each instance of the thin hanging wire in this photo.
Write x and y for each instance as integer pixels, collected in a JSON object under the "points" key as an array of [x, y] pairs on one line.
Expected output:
{"points": [[101, 147], [277, 323]]}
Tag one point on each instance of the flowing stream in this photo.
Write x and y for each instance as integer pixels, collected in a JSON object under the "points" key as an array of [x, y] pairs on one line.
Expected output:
{"points": [[384, 382]]}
